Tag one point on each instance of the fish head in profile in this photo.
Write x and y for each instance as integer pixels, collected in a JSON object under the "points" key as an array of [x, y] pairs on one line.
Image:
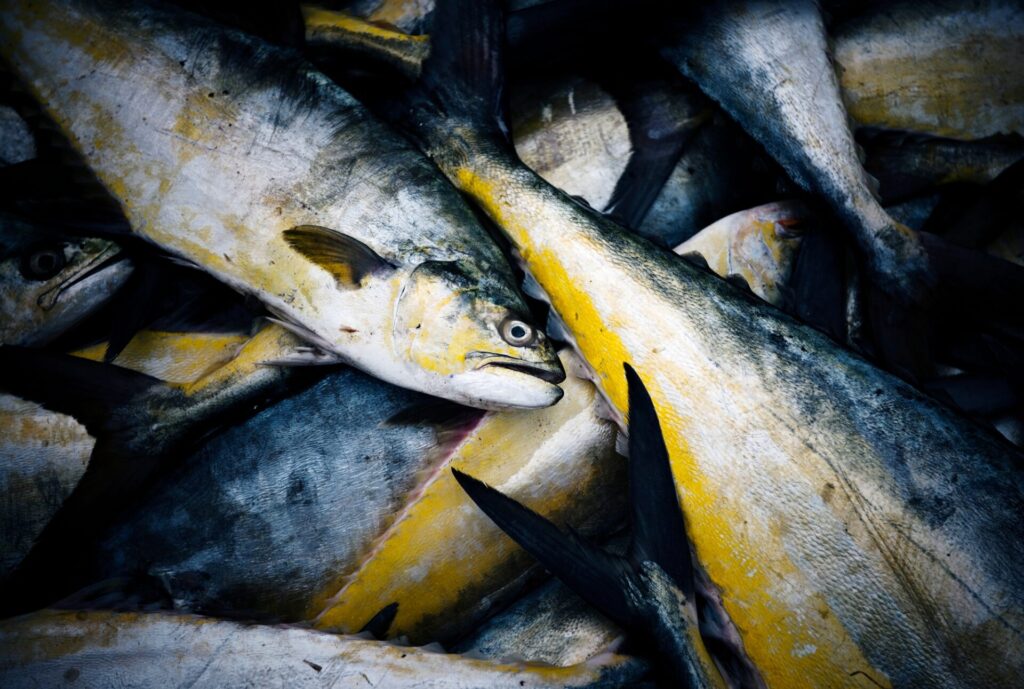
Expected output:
{"points": [[472, 336], [50, 281]]}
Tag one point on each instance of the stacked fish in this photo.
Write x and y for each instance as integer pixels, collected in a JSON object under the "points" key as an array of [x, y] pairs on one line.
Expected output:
{"points": [[276, 408]]}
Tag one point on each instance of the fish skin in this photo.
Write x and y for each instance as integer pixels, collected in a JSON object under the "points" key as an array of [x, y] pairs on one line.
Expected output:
{"points": [[818, 488], [766, 62], [16, 142], [571, 132], [941, 68], [758, 245], [274, 519], [167, 110], [906, 165], [787, 453], [106, 649], [36, 308], [548, 625]]}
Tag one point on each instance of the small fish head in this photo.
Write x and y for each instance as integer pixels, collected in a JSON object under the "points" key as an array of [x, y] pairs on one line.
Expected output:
{"points": [[477, 336], [49, 282]]}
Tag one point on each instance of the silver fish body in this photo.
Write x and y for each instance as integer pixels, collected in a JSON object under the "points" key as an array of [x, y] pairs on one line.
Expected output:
{"points": [[102, 650], [934, 67], [237, 157]]}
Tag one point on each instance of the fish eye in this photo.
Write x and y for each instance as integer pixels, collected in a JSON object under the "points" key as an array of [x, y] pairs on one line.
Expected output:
{"points": [[516, 332], [42, 263]]}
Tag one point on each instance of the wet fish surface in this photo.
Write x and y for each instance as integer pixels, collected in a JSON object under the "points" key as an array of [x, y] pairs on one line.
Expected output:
{"points": [[337, 225]]}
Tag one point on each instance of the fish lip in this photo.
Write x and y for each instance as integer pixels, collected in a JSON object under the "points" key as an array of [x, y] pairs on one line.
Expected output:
{"points": [[550, 374], [106, 258]]}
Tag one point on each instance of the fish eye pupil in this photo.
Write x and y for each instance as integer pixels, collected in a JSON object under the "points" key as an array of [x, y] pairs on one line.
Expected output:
{"points": [[516, 333], [43, 263]]}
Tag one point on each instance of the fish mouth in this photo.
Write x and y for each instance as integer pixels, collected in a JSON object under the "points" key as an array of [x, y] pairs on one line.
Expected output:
{"points": [[553, 374], [103, 260]]}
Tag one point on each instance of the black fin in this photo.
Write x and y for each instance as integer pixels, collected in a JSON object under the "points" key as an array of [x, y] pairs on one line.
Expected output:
{"points": [[659, 530], [662, 113], [135, 305], [818, 294], [88, 390], [465, 73], [381, 622], [593, 574], [344, 257]]}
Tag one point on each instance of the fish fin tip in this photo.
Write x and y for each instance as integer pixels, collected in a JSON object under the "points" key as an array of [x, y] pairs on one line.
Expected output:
{"points": [[593, 574], [379, 624], [659, 530]]}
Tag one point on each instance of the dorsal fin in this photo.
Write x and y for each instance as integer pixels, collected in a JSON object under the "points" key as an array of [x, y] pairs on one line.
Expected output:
{"points": [[596, 576], [344, 257], [659, 530], [380, 623]]}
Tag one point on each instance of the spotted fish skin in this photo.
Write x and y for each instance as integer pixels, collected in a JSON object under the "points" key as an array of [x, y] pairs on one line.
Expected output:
{"points": [[238, 157]]}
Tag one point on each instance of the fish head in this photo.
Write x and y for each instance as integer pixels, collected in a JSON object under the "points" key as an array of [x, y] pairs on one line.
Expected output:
{"points": [[50, 281], [475, 333]]}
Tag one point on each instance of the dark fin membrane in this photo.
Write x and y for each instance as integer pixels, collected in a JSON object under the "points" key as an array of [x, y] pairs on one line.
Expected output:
{"points": [[593, 574], [113, 404], [94, 393], [659, 531], [134, 304], [344, 257], [662, 113], [817, 286], [380, 623]]}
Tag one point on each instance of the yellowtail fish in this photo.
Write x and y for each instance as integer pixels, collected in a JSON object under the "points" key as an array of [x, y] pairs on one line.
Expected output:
{"points": [[819, 491], [767, 64], [942, 68], [236, 156], [16, 142], [99, 650], [284, 523], [50, 281]]}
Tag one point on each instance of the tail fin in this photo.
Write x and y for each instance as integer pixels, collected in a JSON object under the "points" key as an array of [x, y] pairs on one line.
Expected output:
{"points": [[659, 535]]}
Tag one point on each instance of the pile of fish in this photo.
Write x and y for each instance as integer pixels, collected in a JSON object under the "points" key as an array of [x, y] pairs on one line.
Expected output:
{"points": [[542, 343]]}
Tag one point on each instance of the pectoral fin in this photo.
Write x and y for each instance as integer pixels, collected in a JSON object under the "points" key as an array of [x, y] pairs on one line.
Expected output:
{"points": [[344, 257]]}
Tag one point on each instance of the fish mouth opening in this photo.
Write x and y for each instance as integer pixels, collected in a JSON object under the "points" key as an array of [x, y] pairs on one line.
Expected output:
{"points": [[101, 262], [551, 375]]}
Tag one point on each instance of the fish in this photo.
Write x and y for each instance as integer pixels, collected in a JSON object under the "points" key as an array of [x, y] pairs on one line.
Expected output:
{"points": [[108, 433], [758, 246], [817, 489], [907, 165], [651, 590], [50, 281], [946, 69], [100, 649], [275, 520], [766, 63], [338, 225]]}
